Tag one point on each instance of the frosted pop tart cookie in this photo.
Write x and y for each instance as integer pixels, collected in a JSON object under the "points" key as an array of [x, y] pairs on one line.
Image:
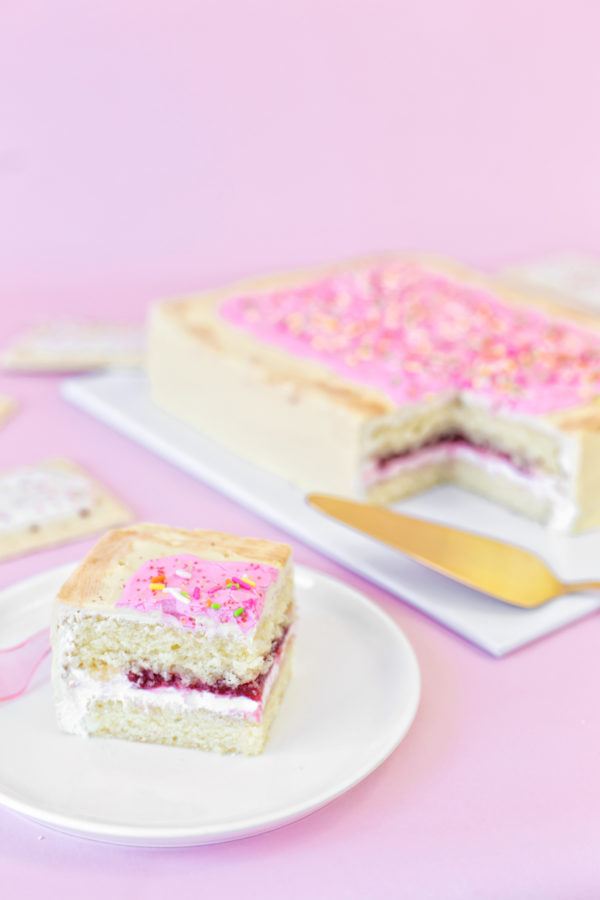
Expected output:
{"points": [[388, 375], [175, 637], [573, 279], [7, 408], [52, 503], [75, 346]]}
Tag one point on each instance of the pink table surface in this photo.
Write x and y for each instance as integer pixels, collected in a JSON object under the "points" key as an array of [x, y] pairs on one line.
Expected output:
{"points": [[152, 147]]}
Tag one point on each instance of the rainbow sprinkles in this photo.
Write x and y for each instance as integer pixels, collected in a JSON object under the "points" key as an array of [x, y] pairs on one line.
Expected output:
{"points": [[200, 593], [414, 335]]}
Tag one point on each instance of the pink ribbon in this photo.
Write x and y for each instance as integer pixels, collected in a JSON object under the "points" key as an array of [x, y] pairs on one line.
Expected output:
{"points": [[19, 664]]}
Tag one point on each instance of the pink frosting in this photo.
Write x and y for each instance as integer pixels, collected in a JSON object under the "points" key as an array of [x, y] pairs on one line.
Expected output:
{"points": [[414, 334], [196, 591]]}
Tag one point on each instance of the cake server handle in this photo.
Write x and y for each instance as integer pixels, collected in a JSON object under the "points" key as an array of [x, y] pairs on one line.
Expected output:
{"points": [[19, 664]]}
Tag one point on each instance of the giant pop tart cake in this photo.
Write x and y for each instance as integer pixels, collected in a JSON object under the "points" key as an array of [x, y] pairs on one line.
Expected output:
{"points": [[391, 374]]}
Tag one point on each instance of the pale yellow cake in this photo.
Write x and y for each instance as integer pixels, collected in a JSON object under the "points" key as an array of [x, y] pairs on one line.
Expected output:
{"points": [[175, 637]]}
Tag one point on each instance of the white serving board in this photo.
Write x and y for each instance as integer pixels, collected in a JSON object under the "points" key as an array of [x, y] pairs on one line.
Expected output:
{"points": [[121, 399]]}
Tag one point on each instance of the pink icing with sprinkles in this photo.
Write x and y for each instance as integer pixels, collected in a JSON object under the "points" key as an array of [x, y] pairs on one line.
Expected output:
{"points": [[414, 334], [191, 590]]}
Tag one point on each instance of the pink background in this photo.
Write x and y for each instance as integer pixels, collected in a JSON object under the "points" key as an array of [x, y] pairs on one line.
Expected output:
{"points": [[152, 147]]}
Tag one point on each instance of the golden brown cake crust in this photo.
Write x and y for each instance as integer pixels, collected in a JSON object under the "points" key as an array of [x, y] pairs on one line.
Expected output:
{"points": [[98, 582]]}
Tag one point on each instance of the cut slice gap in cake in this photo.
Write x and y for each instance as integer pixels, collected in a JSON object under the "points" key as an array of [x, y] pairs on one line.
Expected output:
{"points": [[526, 467]]}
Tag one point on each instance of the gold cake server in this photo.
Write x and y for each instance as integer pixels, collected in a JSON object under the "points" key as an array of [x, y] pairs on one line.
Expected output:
{"points": [[509, 573]]}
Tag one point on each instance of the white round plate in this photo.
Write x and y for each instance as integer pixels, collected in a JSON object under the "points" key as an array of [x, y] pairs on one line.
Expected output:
{"points": [[352, 698]]}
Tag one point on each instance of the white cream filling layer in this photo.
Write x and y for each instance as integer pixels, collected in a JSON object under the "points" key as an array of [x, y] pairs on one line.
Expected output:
{"points": [[78, 693], [539, 484]]}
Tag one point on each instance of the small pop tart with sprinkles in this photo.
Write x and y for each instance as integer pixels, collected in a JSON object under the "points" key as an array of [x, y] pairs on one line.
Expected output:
{"points": [[75, 345], [572, 278], [383, 377], [53, 502], [175, 637]]}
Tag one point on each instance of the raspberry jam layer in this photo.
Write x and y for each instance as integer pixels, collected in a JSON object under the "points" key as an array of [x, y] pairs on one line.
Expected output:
{"points": [[148, 680], [457, 441]]}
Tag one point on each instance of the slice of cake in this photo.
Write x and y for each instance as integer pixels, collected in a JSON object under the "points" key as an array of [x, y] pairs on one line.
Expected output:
{"points": [[389, 375], [175, 637]]}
